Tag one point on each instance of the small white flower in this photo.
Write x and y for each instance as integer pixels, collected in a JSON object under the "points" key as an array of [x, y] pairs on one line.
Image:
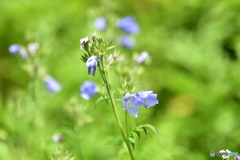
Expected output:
{"points": [[83, 41], [57, 138], [32, 47]]}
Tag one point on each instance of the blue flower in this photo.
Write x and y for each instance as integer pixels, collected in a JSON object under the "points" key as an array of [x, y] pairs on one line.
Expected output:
{"points": [[83, 42], [92, 64], [130, 103], [128, 25], [127, 42], [24, 54], [148, 99], [52, 85], [88, 89], [142, 57], [14, 49], [100, 23]]}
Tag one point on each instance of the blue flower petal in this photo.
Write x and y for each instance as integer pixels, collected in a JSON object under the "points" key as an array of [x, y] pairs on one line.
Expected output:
{"points": [[24, 55], [14, 49], [92, 64], [128, 25], [88, 89], [142, 57], [130, 103], [148, 99], [127, 42], [52, 85], [100, 23]]}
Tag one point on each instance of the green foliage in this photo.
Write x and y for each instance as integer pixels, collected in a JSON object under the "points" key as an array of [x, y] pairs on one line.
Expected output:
{"points": [[59, 155], [136, 133], [85, 57], [100, 99]]}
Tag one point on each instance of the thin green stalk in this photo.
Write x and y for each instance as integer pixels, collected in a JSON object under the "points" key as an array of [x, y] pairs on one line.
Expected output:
{"points": [[126, 121], [104, 73], [116, 115], [80, 153]]}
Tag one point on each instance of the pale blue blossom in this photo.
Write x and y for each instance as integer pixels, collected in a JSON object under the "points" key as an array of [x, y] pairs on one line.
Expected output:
{"points": [[127, 41], [100, 23], [148, 99], [24, 54], [142, 57], [88, 89], [14, 49], [130, 103], [52, 85], [128, 25]]}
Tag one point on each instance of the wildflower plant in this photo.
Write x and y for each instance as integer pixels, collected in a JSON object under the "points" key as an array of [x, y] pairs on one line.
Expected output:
{"points": [[32, 64], [99, 61]]}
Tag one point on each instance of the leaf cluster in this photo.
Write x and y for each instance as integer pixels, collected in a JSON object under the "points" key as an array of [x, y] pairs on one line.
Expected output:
{"points": [[96, 46], [136, 133]]}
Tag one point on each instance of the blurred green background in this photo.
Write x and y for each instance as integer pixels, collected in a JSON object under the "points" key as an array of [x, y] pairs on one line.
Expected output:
{"points": [[195, 71]]}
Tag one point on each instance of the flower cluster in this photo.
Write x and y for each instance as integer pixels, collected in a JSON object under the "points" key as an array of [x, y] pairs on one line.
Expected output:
{"points": [[132, 101], [95, 49], [96, 57], [23, 51], [51, 84]]}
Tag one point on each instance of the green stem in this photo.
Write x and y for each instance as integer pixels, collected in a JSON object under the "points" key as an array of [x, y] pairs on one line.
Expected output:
{"points": [[126, 121], [116, 114]]}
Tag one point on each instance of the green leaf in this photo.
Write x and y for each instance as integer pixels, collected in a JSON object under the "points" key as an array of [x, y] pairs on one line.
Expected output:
{"points": [[84, 57], [108, 43], [153, 129], [149, 134], [132, 140], [108, 48], [144, 129], [137, 133], [99, 99]]}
